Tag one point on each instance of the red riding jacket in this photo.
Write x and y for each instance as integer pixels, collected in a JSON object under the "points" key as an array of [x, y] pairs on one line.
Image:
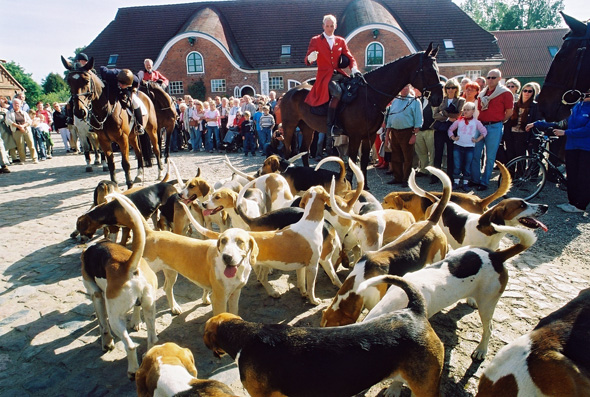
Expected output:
{"points": [[327, 64]]}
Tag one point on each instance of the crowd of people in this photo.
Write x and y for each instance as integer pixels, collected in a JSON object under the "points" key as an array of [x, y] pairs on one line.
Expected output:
{"points": [[477, 122]]}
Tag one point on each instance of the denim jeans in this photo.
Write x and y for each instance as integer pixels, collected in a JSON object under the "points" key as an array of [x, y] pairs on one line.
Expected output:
{"points": [[195, 137], [212, 135], [249, 143], [491, 142], [263, 137], [39, 140], [462, 156]]}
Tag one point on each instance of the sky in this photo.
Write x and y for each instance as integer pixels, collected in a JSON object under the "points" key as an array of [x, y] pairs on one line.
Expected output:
{"points": [[37, 32]]}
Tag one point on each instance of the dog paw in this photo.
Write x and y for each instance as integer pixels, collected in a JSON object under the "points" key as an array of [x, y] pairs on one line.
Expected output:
{"points": [[135, 326], [107, 347], [131, 375], [471, 302], [314, 301], [176, 310], [479, 354], [394, 390]]}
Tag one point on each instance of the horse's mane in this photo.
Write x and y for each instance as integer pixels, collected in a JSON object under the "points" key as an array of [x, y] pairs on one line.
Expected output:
{"points": [[392, 62]]}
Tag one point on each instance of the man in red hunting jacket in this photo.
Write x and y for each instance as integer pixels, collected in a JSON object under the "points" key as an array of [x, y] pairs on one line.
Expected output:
{"points": [[332, 56]]}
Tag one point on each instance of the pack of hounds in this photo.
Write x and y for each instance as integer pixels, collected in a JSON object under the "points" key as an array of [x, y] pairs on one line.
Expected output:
{"points": [[410, 256]]}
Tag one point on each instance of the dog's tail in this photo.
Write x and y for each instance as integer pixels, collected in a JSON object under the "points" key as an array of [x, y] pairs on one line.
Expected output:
{"points": [[237, 171], [360, 184], [505, 185], [416, 301], [446, 194], [179, 183], [418, 190], [239, 210], [199, 228], [342, 175], [296, 157], [526, 238], [137, 226], [339, 211]]}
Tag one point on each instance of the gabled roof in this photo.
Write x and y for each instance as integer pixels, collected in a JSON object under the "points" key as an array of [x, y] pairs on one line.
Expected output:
{"points": [[527, 51], [255, 30], [10, 80]]}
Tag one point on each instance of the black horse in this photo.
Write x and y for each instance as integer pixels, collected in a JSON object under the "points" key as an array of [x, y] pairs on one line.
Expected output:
{"points": [[569, 75], [362, 118]]}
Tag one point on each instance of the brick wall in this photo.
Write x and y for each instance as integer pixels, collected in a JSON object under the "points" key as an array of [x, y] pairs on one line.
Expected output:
{"points": [[393, 46]]}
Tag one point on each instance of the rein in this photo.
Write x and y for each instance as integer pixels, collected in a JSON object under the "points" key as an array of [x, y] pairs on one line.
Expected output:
{"points": [[91, 116]]}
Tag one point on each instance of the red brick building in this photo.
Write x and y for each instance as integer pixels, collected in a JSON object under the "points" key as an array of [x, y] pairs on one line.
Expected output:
{"points": [[242, 47]]}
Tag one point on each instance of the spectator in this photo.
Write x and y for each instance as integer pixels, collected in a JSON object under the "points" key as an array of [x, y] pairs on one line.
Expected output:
{"points": [[38, 126], [445, 115], [20, 123], [276, 144], [248, 134], [272, 101], [425, 140], [24, 106], [469, 132], [212, 119], [514, 86], [233, 110], [525, 112], [150, 74], [197, 116], [404, 120], [59, 123], [223, 109], [267, 123], [495, 103], [577, 154], [256, 119], [42, 113], [470, 95], [247, 104], [464, 82], [481, 81], [6, 133]]}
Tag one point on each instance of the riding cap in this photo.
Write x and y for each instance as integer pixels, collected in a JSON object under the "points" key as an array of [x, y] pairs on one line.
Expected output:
{"points": [[125, 77], [81, 57], [343, 62]]}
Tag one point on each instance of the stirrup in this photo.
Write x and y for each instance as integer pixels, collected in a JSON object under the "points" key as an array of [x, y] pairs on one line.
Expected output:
{"points": [[335, 131], [139, 130]]}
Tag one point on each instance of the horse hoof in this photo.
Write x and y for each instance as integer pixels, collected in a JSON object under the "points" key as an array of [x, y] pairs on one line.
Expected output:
{"points": [[97, 162], [137, 179], [105, 169], [88, 169]]}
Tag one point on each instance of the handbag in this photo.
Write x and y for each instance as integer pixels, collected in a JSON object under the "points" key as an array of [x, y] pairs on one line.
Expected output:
{"points": [[192, 122]]}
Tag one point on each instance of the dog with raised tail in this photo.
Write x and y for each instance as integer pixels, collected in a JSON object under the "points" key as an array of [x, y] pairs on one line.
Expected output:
{"points": [[281, 360], [473, 272], [119, 280]]}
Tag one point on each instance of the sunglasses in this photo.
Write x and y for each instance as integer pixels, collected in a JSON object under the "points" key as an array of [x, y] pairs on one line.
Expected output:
{"points": [[451, 88], [510, 86], [492, 77], [528, 91]]}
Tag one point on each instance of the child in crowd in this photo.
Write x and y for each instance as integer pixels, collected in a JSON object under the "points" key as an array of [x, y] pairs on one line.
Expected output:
{"points": [[248, 132], [38, 127], [469, 131], [266, 123]]}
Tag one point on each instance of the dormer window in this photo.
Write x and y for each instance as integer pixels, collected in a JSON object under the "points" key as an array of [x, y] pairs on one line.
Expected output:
{"points": [[285, 50], [552, 50], [449, 44], [113, 60]]}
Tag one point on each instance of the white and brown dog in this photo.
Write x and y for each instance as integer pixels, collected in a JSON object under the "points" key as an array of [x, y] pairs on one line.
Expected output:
{"points": [[551, 360], [465, 228], [281, 360], [119, 280], [168, 369], [473, 272], [422, 244], [224, 199], [221, 267]]}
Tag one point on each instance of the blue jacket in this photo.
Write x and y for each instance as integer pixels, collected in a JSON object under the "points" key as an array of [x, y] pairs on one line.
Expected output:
{"points": [[578, 127]]}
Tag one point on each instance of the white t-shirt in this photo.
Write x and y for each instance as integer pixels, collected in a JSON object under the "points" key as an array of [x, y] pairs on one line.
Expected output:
{"points": [[210, 114]]}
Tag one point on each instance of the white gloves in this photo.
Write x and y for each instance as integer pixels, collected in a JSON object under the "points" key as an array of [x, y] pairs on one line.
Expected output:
{"points": [[355, 71], [312, 57]]}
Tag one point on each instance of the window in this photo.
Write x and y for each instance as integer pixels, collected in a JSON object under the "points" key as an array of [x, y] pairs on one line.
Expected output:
{"points": [[293, 83], [552, 50], [472, 74], [374, 54], [113, 60], [285, 50], [449, 44], [275, 83], [175, 88], [194, 63], [218, 85]]}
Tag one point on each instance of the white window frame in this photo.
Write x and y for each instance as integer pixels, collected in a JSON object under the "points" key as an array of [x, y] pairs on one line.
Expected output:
{"points": [[285, 50], [272, 85], [216, 89], [367, 54], [202, 63], [292, 83], [116, 56], [472, 74], [448, 43], [176, 88]]}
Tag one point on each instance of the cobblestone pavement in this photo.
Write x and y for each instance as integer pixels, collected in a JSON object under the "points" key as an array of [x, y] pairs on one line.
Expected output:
{"points": [[49, 335]]}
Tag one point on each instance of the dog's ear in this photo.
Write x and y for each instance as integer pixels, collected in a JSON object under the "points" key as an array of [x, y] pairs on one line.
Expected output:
{"points": [[188, 360], [398, 203], [275, 164], [495, 215], [304, 200], [224, 216], [198, 172], [253, 251], [204, 187]]}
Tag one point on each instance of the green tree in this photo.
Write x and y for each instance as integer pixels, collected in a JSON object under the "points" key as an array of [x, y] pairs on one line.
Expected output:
{"points": [[33, 90], [54, 83], [198, 90], [514, 14]]}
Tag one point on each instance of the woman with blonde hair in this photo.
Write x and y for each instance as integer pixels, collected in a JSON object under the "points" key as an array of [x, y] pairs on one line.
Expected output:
{"points": [[525, 112]]}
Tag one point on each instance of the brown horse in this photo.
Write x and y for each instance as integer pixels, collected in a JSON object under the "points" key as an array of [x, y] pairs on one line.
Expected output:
{"points": [[362, 118], [568, 76], [101, 109], [165, 112]]}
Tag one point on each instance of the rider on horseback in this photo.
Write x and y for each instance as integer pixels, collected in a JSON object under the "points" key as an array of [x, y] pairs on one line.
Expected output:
{"points": [[150, 74], [332, 55]]}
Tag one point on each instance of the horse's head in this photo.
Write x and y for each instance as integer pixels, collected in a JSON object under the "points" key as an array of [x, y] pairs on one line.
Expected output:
{"points": [[568, 75], [427, 79], [80, 80]]}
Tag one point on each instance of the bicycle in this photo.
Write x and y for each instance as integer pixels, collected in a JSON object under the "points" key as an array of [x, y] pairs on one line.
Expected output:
{"points": [[529, 172]]}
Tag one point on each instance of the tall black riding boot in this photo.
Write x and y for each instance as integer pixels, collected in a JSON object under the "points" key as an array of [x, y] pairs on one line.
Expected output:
{"points": [[138, 121], [333, 129]]}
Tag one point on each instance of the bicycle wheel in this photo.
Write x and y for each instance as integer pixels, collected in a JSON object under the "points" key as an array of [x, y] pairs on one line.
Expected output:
{"points": [[528, 177]]}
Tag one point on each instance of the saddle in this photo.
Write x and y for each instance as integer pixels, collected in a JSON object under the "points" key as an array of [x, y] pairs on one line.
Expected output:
{"points": [[350, 88]]}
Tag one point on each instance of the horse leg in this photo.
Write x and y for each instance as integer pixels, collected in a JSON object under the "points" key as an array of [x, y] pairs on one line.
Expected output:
{"points": [[87, 157], [307, 133], [103, 161], [168, 136], [105, 144], [365, 158], [124, 146], [154, 139]]}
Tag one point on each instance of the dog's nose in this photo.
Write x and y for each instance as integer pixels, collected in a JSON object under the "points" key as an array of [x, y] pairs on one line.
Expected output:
{"points": [[227, 259]]}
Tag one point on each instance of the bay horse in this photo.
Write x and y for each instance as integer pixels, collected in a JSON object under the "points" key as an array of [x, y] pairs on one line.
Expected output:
{"points": [[165, 113], [103, 111], [364, 116], [568, 77]]}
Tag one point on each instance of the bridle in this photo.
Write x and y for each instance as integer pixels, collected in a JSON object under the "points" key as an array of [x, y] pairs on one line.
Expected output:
{"points": [[580, 54], [90, 115], [426, 91]]}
